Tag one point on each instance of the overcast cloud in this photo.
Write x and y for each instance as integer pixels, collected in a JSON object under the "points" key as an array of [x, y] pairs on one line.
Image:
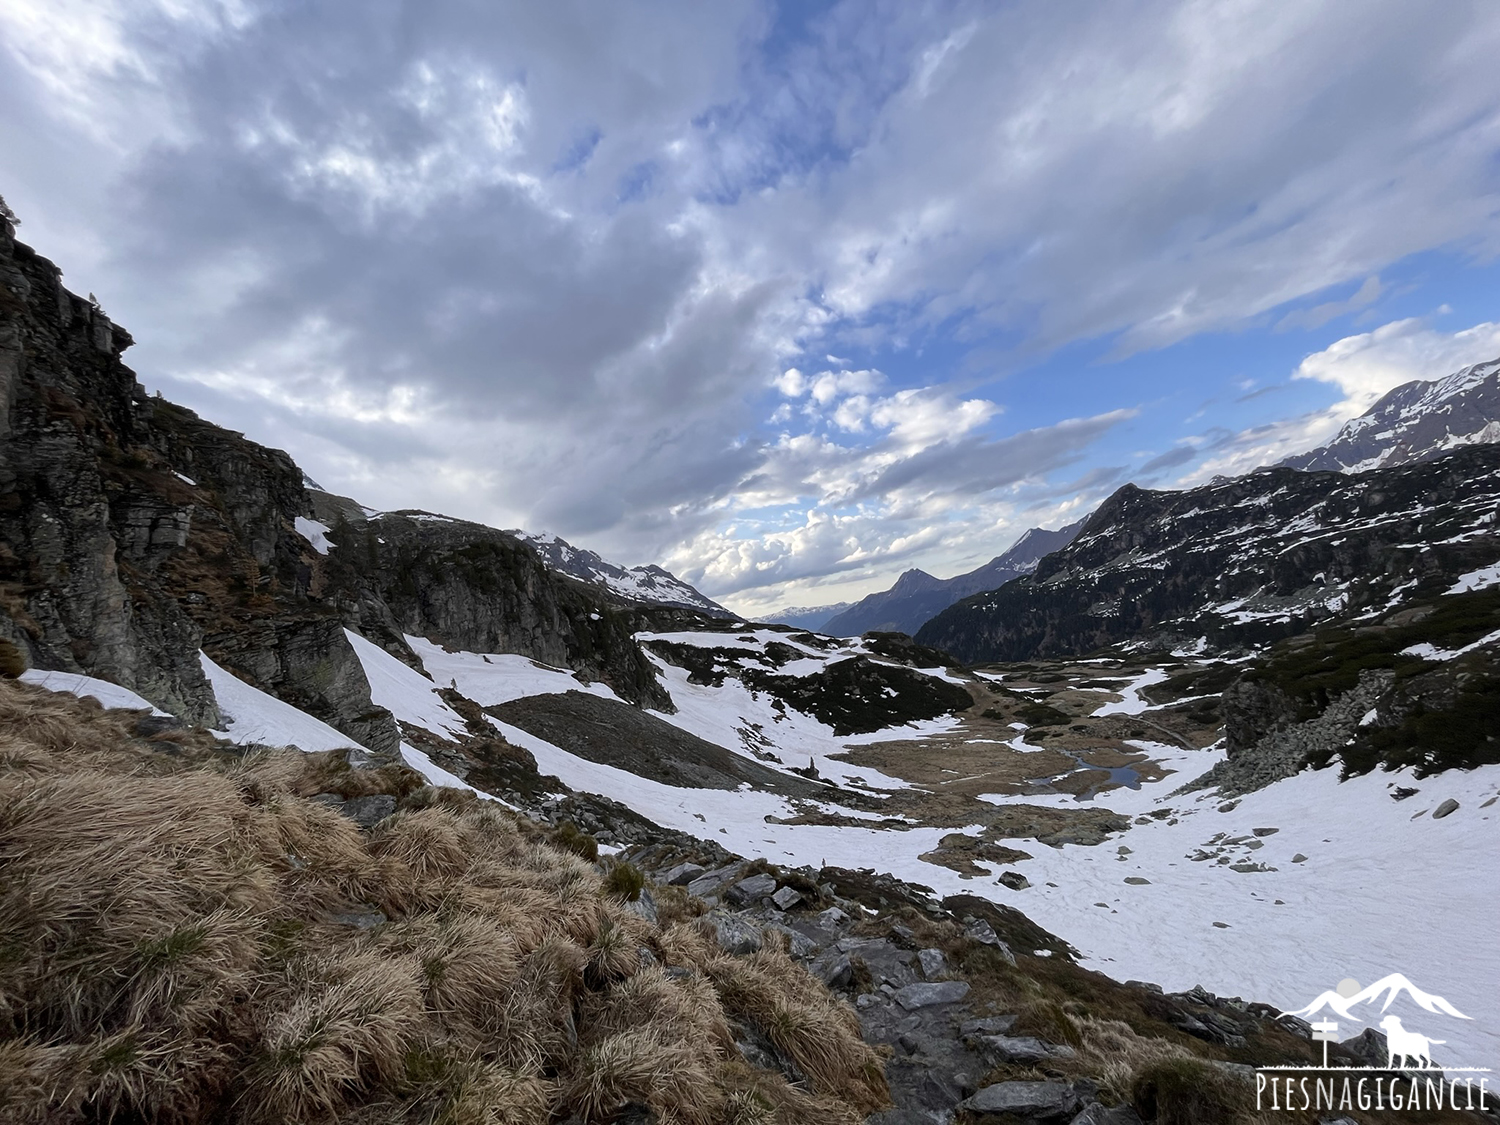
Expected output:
{"points": [[753, 293]]}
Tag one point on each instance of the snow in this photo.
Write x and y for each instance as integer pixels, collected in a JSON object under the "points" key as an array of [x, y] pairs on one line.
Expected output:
{"points": [[112, 697], [493, 678], [1133, 704], [253, 717], [407, 694], [184, 478], [437, 775], [1433, 653], [314, 532], [1385, 888], [1481, 579]]}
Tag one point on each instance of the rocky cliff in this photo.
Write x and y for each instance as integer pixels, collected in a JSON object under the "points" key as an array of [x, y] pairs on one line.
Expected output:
{"points": [[1241, 563], [134, 534]]}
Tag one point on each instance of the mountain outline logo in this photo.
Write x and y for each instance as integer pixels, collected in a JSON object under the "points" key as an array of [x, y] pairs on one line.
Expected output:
{"points": [[1409, 1079]]}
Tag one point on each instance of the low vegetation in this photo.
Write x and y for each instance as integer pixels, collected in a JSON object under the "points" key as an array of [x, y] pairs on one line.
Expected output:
{"points": [[187, 936]]}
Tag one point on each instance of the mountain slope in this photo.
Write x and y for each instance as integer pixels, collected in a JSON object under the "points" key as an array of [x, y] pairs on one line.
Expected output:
{"points": [[917, 596], [1417, 421], [649, 584], [812, 617], [1242, 562]]}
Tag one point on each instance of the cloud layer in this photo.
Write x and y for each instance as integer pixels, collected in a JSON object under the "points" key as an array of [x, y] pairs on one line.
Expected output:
{"points": [[588, 267]]}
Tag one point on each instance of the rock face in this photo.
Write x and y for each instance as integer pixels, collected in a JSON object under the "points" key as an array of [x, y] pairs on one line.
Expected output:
{"points": [[473, 587], [1241, 563], [917, 596], [133, 534], [1418, 421]]}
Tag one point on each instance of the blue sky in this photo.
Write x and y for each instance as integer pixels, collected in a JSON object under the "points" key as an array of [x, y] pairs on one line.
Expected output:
{"points": [[788, 298]]}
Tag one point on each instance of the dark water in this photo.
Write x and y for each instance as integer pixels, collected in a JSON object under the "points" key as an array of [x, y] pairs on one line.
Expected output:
{"points": [[1113, 776]]}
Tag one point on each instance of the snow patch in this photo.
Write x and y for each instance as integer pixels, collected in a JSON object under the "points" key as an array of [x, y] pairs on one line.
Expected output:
{"points": [[112, 697], [315, 533]]}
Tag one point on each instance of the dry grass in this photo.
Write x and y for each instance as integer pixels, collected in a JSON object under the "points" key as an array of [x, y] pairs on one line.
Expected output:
{"points": [[175, 947]]}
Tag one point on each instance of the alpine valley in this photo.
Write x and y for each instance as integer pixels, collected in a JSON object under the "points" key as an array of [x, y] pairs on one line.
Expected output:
{"points": [[1065, 839]]}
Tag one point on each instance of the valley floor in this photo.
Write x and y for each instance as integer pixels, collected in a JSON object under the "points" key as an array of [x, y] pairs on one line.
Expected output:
{"points": [[1277, 896]]}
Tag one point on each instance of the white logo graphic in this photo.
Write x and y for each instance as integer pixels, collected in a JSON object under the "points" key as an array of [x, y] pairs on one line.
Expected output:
{"points": [[1394, 1085]]}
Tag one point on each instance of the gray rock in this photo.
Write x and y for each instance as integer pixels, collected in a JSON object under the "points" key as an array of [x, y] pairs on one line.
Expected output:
{"points": [[1447, 807], [1137, 881], [787, 897], [1296, 1025], [1369, 1045], [644, 906], [1014, 880], [933, 963], [990, 1025], [367, 812], [832, 918], [711, 882], [737, 935], [800, 945], [1096, 1114], [752, 889], [1003, 1048], [833, 968], [682, 874], [982, 932], [926, 993], [1024, 1099]]}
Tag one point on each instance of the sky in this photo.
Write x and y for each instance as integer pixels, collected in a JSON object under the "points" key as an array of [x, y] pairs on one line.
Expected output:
{"points": [[788, 298]]}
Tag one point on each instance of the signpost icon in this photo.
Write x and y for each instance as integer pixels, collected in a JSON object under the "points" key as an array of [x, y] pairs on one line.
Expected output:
{"points": [[1326, 1030]]}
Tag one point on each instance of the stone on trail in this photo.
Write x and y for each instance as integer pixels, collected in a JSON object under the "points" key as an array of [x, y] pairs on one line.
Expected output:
{"points": [[925, 994], [1024, 1099], [933, 963]]}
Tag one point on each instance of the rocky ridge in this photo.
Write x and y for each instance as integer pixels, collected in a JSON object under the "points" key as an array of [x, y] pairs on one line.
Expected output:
{"points": [[650, 584], [917, 596], [1418, 421], [1236, 565]]}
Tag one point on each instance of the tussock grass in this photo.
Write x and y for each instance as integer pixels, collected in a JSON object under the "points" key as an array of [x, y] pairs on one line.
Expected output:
{"points": [[176, 946]]}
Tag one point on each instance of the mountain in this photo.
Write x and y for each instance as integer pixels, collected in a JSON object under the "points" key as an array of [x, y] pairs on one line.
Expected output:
{"points": [[1417, 421], [812, 617], [649, 584], [1241, 563], [917, 596]]}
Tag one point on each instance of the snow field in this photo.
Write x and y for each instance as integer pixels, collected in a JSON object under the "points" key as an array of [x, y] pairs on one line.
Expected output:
{"points": [[112, 697]]}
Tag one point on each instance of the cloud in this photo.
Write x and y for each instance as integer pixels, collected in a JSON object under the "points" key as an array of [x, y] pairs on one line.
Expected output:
{"points": [[1362, 367], [590, 267]]}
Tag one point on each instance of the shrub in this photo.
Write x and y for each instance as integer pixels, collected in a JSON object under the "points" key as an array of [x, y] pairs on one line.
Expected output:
{"points": [[624, 881], [568, 837], [1184, 1091]]}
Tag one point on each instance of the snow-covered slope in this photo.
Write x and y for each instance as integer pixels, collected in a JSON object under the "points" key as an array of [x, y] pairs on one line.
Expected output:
{"points": [[1417, 421], [649, 584]]}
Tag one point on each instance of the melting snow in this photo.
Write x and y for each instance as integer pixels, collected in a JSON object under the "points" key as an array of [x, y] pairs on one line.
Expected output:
{"points": [[404, 692], [315, 533], [112, 697], [253, 717]]}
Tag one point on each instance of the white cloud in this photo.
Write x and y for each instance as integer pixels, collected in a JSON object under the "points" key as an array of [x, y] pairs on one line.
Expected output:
{"points": [[1363, 367]]}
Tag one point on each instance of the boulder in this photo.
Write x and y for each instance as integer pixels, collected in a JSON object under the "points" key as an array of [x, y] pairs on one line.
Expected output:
{"points": [[1015, 880], [1448, 806], [932, 962], [786, 898], [1041, 1100], [736, 935], [682, 874], [1369, 1045], [752, 889], [925, 994]]}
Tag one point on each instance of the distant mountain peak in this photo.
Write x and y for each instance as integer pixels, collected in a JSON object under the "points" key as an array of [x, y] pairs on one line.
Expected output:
{"points": [[649, 583], [1417, 421]]}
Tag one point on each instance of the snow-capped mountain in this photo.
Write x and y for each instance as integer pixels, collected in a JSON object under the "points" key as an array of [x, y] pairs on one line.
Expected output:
{"points": [[1417, 421], [638, 583], [806, 616]]}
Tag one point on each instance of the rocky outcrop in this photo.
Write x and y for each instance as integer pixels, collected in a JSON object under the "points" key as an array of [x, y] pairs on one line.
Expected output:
{"points": [[1242, 563], [472, 587]]}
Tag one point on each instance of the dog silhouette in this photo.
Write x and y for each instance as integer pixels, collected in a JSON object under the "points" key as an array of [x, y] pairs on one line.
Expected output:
{"points": [[1405, 1044]]}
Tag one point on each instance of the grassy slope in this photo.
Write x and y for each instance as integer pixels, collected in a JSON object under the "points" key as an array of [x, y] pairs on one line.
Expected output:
{"points": [[179, 942]]}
